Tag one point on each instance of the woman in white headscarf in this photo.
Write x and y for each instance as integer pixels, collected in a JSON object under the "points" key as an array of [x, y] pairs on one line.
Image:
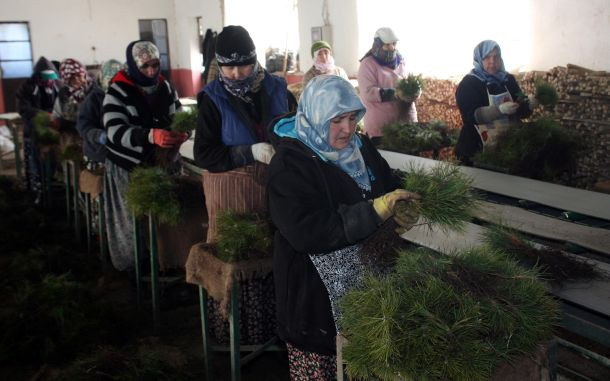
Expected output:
{"points": [[323, 62], [328, 190], [488, 95]]}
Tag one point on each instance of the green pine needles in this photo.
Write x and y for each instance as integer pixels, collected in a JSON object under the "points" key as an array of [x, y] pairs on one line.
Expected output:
{"points": [[546, 93], [72, 152], [410, 87], [42, 128], [555, 265], [413, 138], [447, 197], [184, 121], [152, 191], [445, 318], [242, 236], [542, 149]]}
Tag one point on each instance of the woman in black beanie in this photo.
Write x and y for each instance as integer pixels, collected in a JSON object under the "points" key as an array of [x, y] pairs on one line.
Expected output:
{"points": [[231, 139]]}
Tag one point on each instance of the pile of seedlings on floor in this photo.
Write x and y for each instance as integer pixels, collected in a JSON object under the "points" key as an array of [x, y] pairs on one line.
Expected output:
{"points": [[242, 236], [146, 360], [413, 138], [445, 318], [152, 191], [447, 202], [555, 265], [52, 306], [541, 149]]}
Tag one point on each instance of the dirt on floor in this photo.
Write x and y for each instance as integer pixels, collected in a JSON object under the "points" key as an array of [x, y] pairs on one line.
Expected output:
{"points": [[68, 315]]}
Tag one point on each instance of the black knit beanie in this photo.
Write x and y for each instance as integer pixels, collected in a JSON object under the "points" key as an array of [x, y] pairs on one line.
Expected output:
{"points": [[234, 47]]}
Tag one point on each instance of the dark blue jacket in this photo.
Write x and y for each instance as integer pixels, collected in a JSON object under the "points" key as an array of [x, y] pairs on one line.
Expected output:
{"points": [[235, 131], [228, 126]]}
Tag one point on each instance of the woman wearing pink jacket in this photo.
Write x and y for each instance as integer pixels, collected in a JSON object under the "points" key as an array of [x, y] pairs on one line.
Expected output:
{"points": [[380, 69]]}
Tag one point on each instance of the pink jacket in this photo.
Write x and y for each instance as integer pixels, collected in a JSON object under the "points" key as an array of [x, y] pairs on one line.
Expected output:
{"points": [[372, 77]]}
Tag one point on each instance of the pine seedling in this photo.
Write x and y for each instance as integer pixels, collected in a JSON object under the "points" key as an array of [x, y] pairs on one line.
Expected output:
{"points": [[447, 197], [542, 149], [546, 93], [151, 191], [555, 264], [242, 236], [410, 87], [184, 121], [72, 152], [45, 135], [444, 318]]}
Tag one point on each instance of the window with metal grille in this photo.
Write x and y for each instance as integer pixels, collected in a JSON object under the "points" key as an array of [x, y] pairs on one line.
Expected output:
{"points": [[15, 50]]}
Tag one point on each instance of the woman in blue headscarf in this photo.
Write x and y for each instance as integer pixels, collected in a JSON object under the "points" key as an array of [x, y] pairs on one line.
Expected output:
{"points": [[489, 98], [328, 190]]}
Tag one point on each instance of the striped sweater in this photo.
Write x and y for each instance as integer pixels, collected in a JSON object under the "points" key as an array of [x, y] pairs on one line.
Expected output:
{"points": [[129, 115]]}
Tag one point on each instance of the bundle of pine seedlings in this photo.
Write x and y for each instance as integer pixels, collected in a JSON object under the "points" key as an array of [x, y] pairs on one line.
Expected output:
{"points": [[45, 135], [73, 152], [151, 191], [445, 318], [242, 236], [410, 87], [546, 93], [555, 265], [447, 197], [184, 121], [413, 138], [541, 149]]}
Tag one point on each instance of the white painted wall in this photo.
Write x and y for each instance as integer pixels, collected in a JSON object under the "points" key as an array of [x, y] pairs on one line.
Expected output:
{"points": [[565, 31], [186, 54], [438, 36], [270, 23], [343, 18], [70, 28]]}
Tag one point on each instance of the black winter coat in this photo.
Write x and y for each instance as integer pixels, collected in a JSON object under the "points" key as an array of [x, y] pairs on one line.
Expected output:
{"points": [[31, 98], [317, 208], [90, 125], [471, 94]]}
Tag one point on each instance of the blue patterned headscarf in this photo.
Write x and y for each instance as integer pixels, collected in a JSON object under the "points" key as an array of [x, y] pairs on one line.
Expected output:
{"points": [[324, 98], [480, 52]]}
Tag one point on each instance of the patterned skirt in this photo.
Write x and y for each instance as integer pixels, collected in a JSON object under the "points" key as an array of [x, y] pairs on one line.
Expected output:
{"points": [[310, 366], [258, 323]]}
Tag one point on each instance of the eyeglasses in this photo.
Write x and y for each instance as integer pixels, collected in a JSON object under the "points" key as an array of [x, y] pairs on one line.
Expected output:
{"points": [[154, 65]]}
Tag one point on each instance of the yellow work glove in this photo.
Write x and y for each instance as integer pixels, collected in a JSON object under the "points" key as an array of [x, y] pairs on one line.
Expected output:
{"points": [[384, 205]]}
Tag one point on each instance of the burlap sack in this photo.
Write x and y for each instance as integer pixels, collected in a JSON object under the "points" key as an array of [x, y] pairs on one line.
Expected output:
{"points": [[91, 182], [204, 269], [174, 242]]}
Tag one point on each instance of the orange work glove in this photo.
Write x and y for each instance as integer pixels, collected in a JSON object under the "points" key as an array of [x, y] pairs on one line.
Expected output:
{"points": [[166, 139]]}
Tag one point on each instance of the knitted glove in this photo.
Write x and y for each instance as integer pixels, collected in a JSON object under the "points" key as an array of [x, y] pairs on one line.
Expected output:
{"points": [[262, 152], [508, 108], [387, 95]]}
